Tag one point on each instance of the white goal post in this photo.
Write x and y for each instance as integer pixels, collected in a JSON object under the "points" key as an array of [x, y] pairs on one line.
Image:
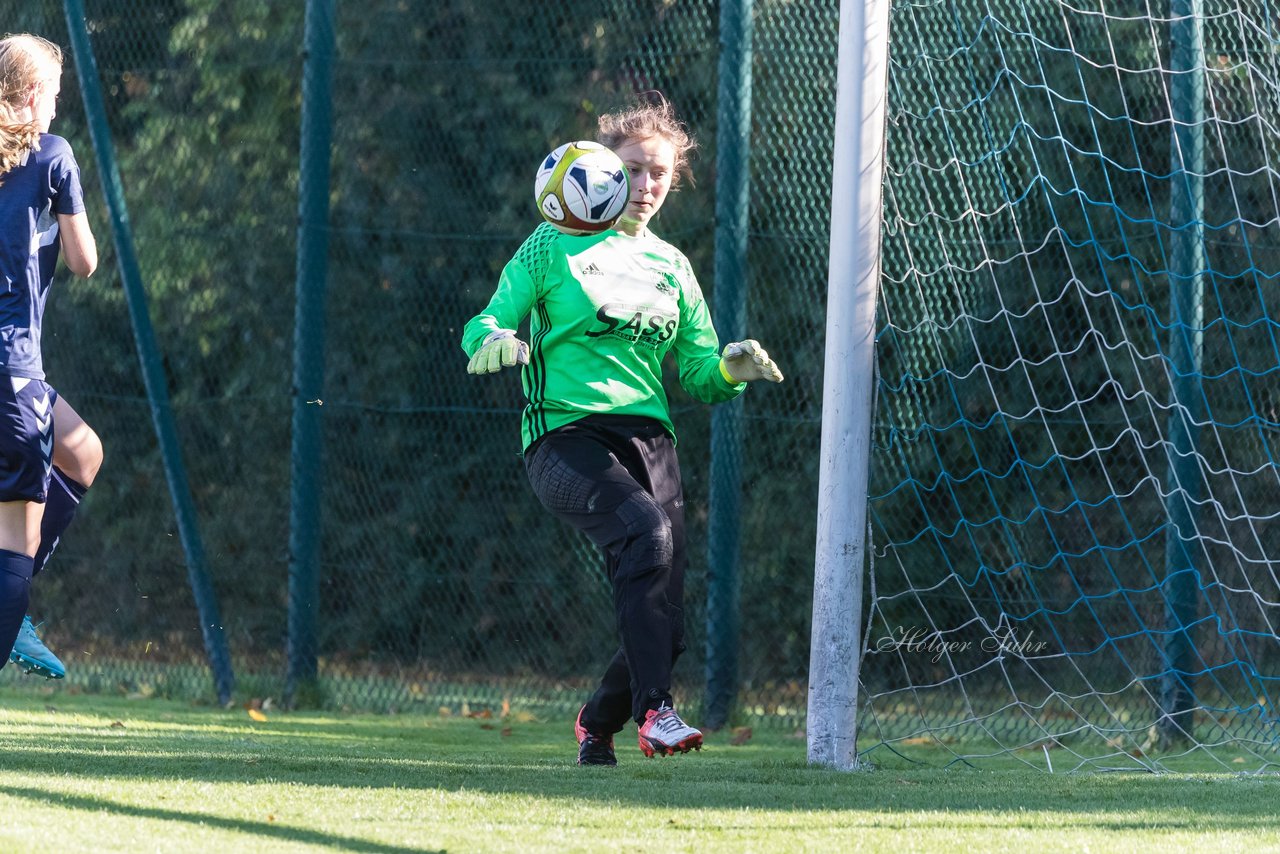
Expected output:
{"points": [[848, 381]]}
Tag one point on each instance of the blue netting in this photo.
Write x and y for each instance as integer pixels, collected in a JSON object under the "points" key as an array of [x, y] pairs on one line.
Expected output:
{"points": [[1073, 493]]}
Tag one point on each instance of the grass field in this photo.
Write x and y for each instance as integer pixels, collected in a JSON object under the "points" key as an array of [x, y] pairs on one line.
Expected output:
{"points": [[96, 773]]}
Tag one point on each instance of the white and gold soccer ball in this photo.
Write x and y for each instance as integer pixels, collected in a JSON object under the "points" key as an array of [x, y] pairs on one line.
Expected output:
{"points": [[581, 188]]}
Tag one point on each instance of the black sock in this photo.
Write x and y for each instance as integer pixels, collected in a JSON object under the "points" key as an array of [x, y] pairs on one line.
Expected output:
{"points": [[15, 592], [59, 509]]}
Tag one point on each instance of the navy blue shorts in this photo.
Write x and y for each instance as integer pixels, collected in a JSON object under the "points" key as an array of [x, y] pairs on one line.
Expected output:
{"points": [[26, 438]]}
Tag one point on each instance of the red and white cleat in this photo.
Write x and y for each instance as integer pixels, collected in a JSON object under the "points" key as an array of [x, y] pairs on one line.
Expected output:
{"points": [[663, 732]]}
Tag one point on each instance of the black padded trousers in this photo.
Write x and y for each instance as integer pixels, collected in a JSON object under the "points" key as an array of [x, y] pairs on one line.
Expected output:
{"points": [[616, 479]]}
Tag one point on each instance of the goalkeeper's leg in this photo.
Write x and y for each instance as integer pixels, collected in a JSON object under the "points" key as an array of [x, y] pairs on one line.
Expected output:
{"points": [[611, 705], [609, 708], [578, 474]]}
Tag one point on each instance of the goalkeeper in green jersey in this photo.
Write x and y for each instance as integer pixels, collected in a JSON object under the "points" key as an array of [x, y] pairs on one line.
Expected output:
{"points": [[599, 447]]}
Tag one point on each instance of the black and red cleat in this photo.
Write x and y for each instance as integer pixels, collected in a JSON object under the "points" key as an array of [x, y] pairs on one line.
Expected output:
{"points": [[593, 748], [663, 732]]}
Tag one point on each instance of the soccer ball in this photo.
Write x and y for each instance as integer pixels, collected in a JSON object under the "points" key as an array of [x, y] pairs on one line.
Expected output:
{"points": [[581, 188]]}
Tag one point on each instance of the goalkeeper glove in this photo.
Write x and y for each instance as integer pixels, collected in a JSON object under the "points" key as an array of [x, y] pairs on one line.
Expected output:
{"points": [[501, 349], [745, 361]]}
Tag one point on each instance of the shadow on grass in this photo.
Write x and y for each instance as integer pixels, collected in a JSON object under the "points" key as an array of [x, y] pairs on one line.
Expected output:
{"points": [[536, 760], [273, 831]]}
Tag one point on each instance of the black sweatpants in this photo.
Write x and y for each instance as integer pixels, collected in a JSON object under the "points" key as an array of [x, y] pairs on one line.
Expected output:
{"points": [[616, 479]]}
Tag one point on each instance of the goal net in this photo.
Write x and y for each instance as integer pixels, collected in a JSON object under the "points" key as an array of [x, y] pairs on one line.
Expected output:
{"points": [[1074, 498]]}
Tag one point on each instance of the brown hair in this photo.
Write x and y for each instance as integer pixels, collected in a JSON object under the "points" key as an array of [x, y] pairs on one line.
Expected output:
{"points": [[26, 61], [645, 120]]}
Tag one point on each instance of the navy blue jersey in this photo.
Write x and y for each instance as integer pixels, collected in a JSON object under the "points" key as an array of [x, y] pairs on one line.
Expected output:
{"points": [[32, 195]]}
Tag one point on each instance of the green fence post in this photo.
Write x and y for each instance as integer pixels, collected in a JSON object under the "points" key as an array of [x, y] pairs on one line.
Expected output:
{"points": [[153, 378], [1186, 346], [733, 158], [306, 460]]}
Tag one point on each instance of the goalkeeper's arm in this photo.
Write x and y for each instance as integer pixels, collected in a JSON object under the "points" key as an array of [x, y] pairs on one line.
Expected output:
{"points": [[705, 372], [489, 339]]}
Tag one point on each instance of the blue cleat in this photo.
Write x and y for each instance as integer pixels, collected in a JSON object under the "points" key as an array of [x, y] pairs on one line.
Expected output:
{"points": [[33, 656]]}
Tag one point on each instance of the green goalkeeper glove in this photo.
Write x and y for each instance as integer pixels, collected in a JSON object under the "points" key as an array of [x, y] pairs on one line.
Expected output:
{"points": [[502, 349], [744, 361]]}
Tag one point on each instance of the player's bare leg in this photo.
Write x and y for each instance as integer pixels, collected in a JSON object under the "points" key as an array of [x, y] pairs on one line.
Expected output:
{"points": [[77, 450]]}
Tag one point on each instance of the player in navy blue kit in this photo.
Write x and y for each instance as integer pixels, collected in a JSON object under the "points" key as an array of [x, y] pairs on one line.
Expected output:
{"points": [[41, 213]]}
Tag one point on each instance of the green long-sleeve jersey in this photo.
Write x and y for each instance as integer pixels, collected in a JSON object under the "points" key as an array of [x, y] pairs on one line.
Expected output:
{"points": [[604, 311]]}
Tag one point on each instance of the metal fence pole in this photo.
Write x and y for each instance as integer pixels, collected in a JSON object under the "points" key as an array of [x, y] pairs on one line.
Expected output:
{"points": [[733, 158], [306, 459], [1186, 346], [153, 378]]}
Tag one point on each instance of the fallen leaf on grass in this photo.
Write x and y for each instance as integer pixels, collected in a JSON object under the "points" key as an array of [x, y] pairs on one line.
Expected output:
{"points": [[257, 715], [117, 725], [741, 735]]}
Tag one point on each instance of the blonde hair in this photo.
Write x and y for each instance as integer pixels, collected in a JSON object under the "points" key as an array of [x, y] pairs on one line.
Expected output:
{"points": [[645, 120], [26, 61]]}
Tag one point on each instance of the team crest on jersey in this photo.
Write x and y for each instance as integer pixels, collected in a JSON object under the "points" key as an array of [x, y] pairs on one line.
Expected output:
{"points": [[666, 284]]}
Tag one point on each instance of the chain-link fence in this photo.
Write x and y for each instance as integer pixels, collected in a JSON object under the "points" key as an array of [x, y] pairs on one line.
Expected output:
{"points": [[441, 579]]}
